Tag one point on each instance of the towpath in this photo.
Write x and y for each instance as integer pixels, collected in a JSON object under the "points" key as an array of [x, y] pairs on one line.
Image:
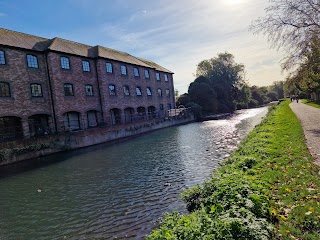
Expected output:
{"points": [[310, 122]]}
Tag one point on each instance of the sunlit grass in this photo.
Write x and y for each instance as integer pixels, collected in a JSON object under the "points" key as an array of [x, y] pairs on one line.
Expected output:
{"points": [[268, 189], [310, 103]]}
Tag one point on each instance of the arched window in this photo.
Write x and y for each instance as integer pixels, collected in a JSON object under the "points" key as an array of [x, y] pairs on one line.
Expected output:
{"points": [[159, 92], [126, 90], [138, 91], [167, 92], [85, 66], [36, 90], [32, 61], [123, 70], [146, 74], [2, 57], [112, 90], [68, 89], [71, 120], [149, 92], [158, 76], [92, 118], [136, 72], [109, 67], [5, 89], [89, 90], [65, 62]]}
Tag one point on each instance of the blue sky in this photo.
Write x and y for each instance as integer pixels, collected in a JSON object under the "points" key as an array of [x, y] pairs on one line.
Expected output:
{"points": [[176, 34]]}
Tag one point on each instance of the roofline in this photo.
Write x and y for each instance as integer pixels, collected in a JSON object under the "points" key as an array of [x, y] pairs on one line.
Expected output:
{"points": [[89, 47]]}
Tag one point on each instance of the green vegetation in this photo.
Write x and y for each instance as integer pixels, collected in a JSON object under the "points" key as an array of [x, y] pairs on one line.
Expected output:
{"points": [[310, 103], [220, 87], [267, 189]]}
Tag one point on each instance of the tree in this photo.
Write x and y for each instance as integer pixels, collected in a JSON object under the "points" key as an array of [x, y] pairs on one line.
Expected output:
{"points": [[201, 93], [290, 24], [306, 79], [225, 77], [183, 99], [278, 88]]}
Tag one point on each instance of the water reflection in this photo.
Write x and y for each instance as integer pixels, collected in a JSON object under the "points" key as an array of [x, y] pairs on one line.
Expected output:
{"points": [[119, 190]]}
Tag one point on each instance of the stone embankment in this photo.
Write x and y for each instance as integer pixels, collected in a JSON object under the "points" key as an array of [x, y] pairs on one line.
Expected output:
{"points": [[24, 149]]}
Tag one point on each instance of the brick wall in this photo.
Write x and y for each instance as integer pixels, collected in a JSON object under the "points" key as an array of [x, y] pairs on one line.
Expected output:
{"points": [[52, 79], [16, 72], [79, 102]]}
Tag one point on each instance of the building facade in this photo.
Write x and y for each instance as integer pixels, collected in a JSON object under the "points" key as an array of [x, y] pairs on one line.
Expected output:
{"points": [[55, 85]]}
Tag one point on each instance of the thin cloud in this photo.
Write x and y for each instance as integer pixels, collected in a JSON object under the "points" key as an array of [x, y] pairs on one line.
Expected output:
{"points": [[3, 14]]}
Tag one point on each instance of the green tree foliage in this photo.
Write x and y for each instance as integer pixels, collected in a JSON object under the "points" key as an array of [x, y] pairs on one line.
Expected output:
{"points": [[201, 93], [278, 87], [306, 79], [183, 99], [224, 77]]}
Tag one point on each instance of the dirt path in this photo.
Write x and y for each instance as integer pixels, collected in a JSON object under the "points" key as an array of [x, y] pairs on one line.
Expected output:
{"points": [[310, 122]]}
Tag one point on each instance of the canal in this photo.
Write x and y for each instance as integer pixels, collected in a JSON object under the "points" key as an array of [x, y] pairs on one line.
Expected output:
{"points": [[115, 191]]}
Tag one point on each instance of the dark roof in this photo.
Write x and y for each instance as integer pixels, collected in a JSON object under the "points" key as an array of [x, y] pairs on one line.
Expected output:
{"points": [[119, 56], [22, 40], [66, 46], [154, 65], [30, 42]]}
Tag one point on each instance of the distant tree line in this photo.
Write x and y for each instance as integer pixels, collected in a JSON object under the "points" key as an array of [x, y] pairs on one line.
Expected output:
{"points": [[220, 87]]}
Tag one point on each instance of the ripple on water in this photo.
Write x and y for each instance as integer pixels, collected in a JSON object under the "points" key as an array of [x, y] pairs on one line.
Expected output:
{"points": [[120, 190]]}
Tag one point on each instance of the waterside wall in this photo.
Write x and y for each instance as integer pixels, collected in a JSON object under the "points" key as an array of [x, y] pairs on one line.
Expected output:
{"points": [[19, 150]]}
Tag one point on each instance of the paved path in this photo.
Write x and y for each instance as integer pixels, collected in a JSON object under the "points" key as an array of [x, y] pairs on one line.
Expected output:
{"points": [[310, 122]]}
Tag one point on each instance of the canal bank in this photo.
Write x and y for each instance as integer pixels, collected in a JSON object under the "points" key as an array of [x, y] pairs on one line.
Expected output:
{"points": [[116, 191], [267, 189], [24, 149]]}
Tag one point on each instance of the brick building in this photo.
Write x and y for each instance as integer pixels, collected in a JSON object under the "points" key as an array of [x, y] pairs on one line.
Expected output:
{"points": [[56, 85]]}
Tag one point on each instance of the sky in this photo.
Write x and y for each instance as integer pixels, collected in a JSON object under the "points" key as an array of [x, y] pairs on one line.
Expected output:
{"points": [[177, 34]]}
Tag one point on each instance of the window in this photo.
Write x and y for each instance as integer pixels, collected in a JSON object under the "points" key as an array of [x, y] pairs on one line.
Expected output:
{"points": [[169, 106], [2, 57], [92, 118], [161, 106], [71, 121], [149, 92], [32, 61], [166, 77], [146, 73], [136, 72], [158, 76], [167, 92], [138, 91], [36, 90], [85, 66], [112, 89], [159, 92], [68, 89], [109, 67], [89, 90], [126, 90], [65, 63], [5, 89], [123, 70]]}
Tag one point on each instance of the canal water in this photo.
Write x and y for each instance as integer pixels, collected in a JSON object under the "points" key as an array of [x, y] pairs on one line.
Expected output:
{"points": [[117, 191]]}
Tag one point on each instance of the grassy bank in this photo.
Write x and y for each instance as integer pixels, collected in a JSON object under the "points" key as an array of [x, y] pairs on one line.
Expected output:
{"points": [[267, 189], [310, 103]]}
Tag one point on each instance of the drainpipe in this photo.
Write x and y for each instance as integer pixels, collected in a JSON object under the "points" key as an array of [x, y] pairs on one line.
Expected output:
{"points": [[97, 77], [51, 92]]}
